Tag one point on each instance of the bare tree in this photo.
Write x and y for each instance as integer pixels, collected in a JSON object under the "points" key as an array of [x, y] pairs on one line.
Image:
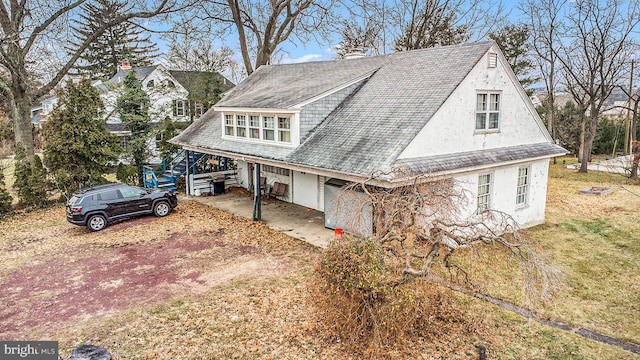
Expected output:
{"points": [[33, 31], [356, 38], [635, 154], [262, 26], [427, 222], [191, 48], [543, 19], [420, 24], [594, 58], [431, 24], [381, 289]]}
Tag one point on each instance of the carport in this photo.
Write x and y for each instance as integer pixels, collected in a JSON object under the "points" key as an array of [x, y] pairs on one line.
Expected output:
{"points": [[294, 220]]}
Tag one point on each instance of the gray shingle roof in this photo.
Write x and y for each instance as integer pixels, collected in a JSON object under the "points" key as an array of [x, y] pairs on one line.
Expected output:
{"points": [[283, 86], [372, 126], [141, 73], [470, 159]]}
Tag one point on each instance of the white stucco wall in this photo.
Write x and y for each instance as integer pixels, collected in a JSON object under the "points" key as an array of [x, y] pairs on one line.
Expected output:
{"points": [[452, 128], [503, 191]]}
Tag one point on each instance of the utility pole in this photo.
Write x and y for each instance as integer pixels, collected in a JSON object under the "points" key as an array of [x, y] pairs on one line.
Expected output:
{"points": [[627, 124]]}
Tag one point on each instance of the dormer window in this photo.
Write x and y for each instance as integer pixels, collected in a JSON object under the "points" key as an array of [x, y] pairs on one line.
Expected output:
{"points": [[284, 129], [254, 127], [229, 125], [269, 126], [272, 128], [241, 125], [170, 84], [151, 84]]}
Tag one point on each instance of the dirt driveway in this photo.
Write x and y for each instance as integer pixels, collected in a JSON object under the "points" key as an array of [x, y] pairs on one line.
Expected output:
{"points": [[55, 276]]}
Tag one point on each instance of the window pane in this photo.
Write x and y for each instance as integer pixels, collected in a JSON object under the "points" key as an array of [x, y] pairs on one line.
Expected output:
{"points": [[268, 135], [241, 120], [268, 122], [481, 104], [228, 130], [494, 120], [228, 119], [495, 102], [284, 123], [254, 133], [481, 121], [285, 136], [254, 121]]}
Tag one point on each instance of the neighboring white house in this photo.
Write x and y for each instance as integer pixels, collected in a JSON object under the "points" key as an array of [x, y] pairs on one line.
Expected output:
{"points": [[181, 96], [457, 111]]}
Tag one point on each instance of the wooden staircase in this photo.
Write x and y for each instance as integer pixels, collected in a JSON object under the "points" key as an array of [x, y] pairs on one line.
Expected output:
{"points": [[173, 167]]}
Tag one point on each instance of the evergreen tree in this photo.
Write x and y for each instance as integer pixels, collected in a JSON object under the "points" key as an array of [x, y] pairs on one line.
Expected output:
{"points": [[22, 173], [167, 132], [78, 149], [514, 43], [38, 195], [5, 197], [133, 107], [122, 42], [30, 179]]}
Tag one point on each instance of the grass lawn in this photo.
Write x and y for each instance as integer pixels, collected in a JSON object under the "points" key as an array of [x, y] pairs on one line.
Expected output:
{"points": [[250, 298]]}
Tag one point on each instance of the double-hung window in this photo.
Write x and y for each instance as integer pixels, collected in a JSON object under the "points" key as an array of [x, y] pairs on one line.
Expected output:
{"points": [[241, 125], [522, 190], [229, 125], [181, 108], [484, 192], [254, 126], [269, 126], [487, 111], [284, 129], [198, 108]]}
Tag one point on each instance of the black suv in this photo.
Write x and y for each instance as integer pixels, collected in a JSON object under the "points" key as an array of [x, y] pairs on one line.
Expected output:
{"points": [[97, 206]]}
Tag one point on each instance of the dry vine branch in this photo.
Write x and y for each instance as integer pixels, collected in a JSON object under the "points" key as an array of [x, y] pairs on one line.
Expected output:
{"points": [[422, 224]]}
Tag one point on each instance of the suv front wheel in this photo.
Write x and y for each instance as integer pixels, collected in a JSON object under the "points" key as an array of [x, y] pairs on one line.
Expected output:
{"points": [[96, 222], [161, 208]]}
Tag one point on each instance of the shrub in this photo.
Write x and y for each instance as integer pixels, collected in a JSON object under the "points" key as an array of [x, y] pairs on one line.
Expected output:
{"points": [[127, 174], [362, 302], [30, 181], [5, 197]]}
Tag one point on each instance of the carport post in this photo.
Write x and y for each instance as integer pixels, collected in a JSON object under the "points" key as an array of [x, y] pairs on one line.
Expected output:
{"points": [[186, 176], [257, 206]]}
